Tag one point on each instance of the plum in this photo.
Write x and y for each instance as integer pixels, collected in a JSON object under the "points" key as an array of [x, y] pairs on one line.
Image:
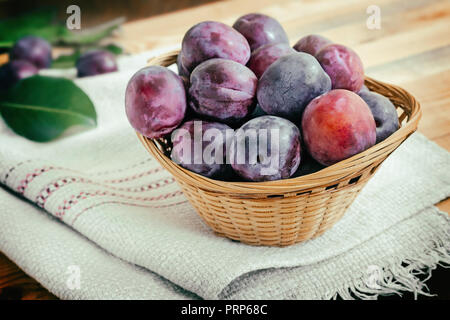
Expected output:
{"points": [[307, 166], [257, 112], [343, 66], [155, 101], [266, 148], [182, 71], [311, 44], [264, 56], [336, 126], [384, 113], [33, 49], [210, 39], [14, 71], [210, 157], [223, 90], [260, 30], [290, 83], [363, 89], [96, 62]]}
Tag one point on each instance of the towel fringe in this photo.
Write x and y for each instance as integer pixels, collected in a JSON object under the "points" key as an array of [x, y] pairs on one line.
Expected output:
{"points": [[402, 275]]}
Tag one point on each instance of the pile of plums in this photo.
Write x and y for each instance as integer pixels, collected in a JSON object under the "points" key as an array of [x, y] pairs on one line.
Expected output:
{"points": [[30, 54], [309, 102]]}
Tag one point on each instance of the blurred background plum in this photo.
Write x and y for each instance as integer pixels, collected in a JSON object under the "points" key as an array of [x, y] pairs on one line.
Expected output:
{"points": [[96, 62], [34, 50], [14, 71]]}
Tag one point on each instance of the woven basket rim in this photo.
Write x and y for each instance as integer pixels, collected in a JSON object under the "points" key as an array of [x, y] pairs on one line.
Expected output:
{"points": [[339, 170]]}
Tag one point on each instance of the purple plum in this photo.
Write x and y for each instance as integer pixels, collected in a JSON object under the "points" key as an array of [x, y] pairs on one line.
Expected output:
{"points": [[290, 83], [96, 62], [311, 44], [258, 112], [384, 113], [210, 39], [209, 159], [182, 71], [336, 126], [363, 89], [266, 148], [223, 90], [264, 56], [343, 66], [307, 166], [155, 101], [33, 49], [14, 71], [260, 30]]}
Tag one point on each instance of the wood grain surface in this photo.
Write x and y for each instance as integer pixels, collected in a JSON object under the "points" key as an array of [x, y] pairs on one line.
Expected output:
{"points": [[411, 49]]}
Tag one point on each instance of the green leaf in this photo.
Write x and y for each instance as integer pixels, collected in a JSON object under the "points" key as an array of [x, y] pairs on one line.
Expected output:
{"points": [[90, 35], [41, 108], [66, 61], [37, 23], [42, 23], [75, 38], [113, 49]]}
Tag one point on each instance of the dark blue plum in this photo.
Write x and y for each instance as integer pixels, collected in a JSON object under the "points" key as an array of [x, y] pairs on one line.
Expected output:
{"points": [[290, 83], [364, 89], [266, 148], [182, 71], [384, 113], [213, 135]]}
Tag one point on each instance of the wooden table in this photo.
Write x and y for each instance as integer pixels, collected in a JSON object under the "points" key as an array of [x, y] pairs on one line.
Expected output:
{"points": [[411, 49]]}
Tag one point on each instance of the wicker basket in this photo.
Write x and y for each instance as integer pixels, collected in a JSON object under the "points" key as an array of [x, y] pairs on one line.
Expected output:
{"points": [[284, 212]]}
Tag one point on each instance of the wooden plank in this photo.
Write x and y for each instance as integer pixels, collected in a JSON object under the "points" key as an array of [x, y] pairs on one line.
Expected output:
{"points": [[15, 284], [434, 95], [396, 17], [414, 67], [444, 206]]}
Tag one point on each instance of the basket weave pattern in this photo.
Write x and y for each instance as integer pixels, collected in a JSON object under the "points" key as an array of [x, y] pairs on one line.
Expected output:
{"points": [[284, 212]]}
